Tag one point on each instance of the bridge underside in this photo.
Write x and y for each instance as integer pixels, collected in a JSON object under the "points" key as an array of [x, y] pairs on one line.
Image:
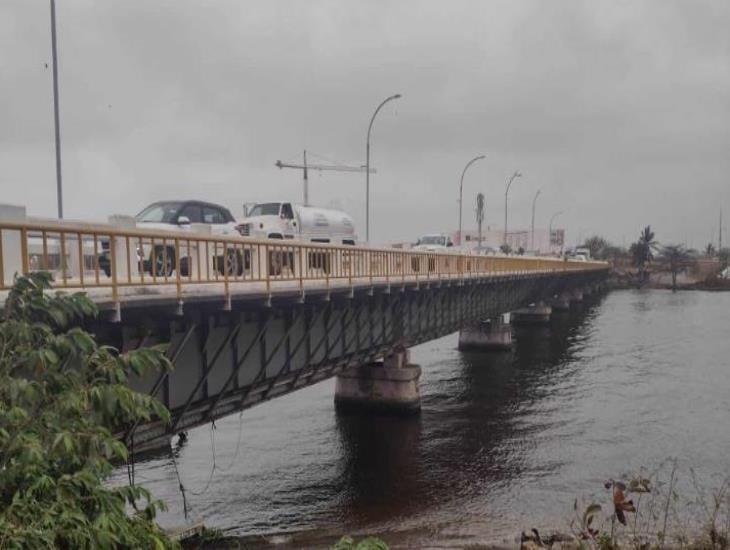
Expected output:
{"points": [[229, 360]]}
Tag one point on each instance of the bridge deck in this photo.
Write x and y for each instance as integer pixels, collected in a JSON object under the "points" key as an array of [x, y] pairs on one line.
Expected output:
{"points": [[130, 266]]}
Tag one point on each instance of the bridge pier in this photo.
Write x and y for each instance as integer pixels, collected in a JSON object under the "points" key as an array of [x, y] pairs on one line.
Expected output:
{"points": [[390, 386], [490, 335], [576, 295], [561, 302], [534, 314]]}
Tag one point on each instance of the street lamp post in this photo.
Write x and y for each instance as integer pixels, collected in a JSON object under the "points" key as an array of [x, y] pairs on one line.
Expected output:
{"points": [[532, 227], [367, 167], [506, 192], [54, 55], [550, 227], [461, 189]]}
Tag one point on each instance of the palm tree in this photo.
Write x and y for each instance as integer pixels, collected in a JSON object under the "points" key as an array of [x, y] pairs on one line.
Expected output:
{"points": [[677, 257], [643, 251]]}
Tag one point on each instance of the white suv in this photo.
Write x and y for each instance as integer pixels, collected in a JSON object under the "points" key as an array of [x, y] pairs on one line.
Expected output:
{"points": [[179, 216]]}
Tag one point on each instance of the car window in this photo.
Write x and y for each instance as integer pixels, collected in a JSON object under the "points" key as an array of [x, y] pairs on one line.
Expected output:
{"points": [[265, 209], [161, 212], [192, 212], [213, 215], [286, 211]]}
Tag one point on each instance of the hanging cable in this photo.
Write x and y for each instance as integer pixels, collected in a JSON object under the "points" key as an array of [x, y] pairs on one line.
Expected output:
{"points": [[181, 486], [238, 444], [213, 467]]}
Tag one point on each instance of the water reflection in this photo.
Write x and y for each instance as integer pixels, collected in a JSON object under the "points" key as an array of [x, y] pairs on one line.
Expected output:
{"points": [[503, 438], [476, 429]]}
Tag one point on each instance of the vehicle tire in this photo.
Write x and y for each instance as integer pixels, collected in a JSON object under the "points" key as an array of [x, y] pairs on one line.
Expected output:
{"points": [[275, 263], [162, 263], [231, 264], [185, 267]]}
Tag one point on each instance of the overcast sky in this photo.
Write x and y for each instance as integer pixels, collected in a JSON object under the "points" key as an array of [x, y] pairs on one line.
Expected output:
{"points": [[618, 110]]}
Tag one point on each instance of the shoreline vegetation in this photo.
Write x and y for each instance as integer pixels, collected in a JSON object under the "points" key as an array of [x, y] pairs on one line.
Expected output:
{"points": [[668, 508], [648, 264]]}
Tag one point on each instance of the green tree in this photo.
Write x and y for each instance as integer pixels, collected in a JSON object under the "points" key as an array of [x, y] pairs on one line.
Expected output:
{"points": [[710, 250], [62, 399], [642, 251], [677, 259], [724, 256], [597, 246], [506, 249]]}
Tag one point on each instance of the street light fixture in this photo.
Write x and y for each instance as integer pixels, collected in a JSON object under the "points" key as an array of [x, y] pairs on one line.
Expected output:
{"points": [[550, 226], [367, 167], [54, 55], [461, 189], [506, 192], [532, 227]]}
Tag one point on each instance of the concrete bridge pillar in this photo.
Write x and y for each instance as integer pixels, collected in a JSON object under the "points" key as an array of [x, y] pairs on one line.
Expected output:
{"points": [[576, 295], [534, 314], [490, 335], [561, 302], [390, 386]]}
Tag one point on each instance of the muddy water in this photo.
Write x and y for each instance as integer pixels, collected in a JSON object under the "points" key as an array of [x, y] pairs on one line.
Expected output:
{"points": [[504, 441]]}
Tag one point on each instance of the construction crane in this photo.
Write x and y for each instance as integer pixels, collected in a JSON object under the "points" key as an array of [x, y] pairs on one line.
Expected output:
{"points": [[321, 167]]}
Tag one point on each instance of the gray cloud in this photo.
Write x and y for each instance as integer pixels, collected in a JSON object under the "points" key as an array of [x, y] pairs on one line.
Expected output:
{"points": [[619, 111]]}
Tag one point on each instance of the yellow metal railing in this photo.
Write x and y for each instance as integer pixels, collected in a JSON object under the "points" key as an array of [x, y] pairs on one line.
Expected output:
{"points": [[101, 256]]}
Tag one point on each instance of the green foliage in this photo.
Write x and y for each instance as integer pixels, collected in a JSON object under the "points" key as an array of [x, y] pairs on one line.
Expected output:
{"points": [[643, 249], [677, 259], [505, 249], [369, 543], [724, 256], [597, 247], [62, 399]]}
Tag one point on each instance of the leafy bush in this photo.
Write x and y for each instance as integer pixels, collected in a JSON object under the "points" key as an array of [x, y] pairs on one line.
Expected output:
{"points": [[62, 399]]}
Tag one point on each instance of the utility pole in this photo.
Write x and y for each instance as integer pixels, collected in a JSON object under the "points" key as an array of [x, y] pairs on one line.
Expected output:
{"points": [[532, 228], [54, 55], [550, 229], [461, 188], [367, 165], [506, 192], [480, 220], [719, 240], [305, 167]]}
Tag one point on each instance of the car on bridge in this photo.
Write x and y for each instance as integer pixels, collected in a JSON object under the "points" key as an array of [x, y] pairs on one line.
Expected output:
{"points": [[179, 216]]}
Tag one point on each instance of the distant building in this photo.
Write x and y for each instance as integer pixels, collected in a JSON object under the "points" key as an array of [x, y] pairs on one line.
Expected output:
{"points": [[493, 239]]}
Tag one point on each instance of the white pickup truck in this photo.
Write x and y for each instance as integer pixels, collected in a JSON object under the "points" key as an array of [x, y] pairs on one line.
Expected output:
{"points": [[436, 242]]}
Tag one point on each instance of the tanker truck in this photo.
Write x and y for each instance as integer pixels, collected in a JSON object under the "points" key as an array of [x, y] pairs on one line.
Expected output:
{"points": [[284, 220], [288, 221]]}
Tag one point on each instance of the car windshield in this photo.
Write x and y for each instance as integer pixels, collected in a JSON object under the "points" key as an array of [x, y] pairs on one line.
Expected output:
{"points": [[265, 209], [434, 239], [160, 212]]}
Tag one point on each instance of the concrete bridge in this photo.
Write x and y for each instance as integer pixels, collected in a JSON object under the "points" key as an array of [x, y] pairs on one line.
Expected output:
{"points": [[246, 321]]}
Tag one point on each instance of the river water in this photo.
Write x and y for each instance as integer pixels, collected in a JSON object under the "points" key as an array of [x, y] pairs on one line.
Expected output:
{"points": [[504, 442]]}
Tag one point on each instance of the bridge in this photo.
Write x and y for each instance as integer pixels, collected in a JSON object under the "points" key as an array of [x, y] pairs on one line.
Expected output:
{"points": [[247, 321]]}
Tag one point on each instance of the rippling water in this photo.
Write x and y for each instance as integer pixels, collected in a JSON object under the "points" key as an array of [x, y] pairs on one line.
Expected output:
{"points": [[504, 441]]}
